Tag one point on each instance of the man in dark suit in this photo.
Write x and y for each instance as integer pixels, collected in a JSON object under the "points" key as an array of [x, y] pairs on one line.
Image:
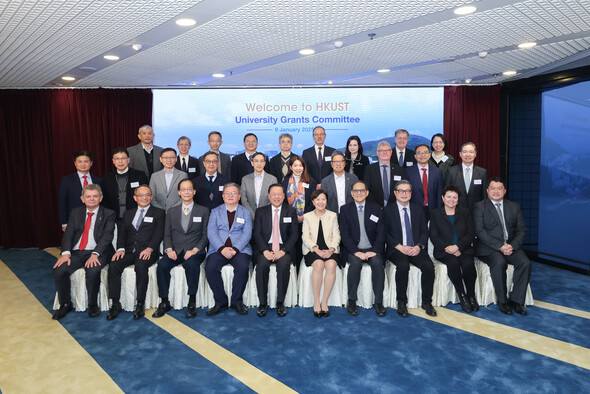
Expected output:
{"points": [[215, 141], [469, 178], [185, 162], [426, 181], [70, 187], [279, 164], [407, 242], [339, 183], [381, 177], [145, 155], [185, 239], [403, 157], [274, 236], [500, 229], [138, 242], [241, 164], [85, 243], [209, 185], [318, 156], [119, 186], [363, 241]]}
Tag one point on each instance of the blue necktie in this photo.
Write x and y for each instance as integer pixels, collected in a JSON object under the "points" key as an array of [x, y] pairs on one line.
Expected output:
{"points": [[409, 236], [401, 159], [385, 183]]}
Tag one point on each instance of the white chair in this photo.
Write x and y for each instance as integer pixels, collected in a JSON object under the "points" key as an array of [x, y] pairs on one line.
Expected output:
{"points": [[290, 296], [484, 287], [79, 293], [129, 289], [365, 294], [306, 290], [414, 291]]}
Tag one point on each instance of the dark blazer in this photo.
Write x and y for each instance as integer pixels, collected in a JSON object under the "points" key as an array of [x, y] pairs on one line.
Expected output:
{"points": [[150, 233], [441, 231], [409, 157], [358, 166], [434, 186], [104, 231], [311, 161], [375, 186], [477, 192], [393, 226], [192, 167], [262, 231], [329, 185], [275, 166], [70, 190], [110, 189], [312, 186], [240, 167], [224, 164], [489, 229], [350, 232], [200, 184], [137, 158], [196, 235]]}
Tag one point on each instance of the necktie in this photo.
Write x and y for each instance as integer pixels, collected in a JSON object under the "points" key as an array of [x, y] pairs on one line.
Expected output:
{"points": [[501, 221], [467, 179], [250, 158], [210, 186], [401, 159], [425, 185], [385, 180], [184, 164], [85, 181], [84, 239], [320, 158], [210, 178], [275, 232], [360, 208], [139, 219], [408, 226], [186, 210]]}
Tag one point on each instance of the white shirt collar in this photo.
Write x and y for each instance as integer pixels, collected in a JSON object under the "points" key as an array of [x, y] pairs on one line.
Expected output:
{"points": [[123, 172]]}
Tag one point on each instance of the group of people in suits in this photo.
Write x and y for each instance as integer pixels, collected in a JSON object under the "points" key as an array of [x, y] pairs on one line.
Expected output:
{"points": [[325, 208]]}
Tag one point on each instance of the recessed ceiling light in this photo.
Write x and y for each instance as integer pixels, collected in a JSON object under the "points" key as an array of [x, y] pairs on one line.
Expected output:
{"points": [[338, 44], [137, 47], [465, 10], [218, 75], [468, 80], [111, 57], [509, 73], [67, 78], [330, 82], [383, 70], [186, 22], [307, 51], [527, 45], [482, 54]]}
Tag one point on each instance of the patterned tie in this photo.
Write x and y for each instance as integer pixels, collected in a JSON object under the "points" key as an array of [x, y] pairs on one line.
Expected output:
{"points": [[501, 220], [85, 181], [401, 159], [250, 158], [139, 219], [84, 239], [184, 164], [360, 208], [409, 236], [385, 183], [186, 211], [275, 232], [467, 179], [425, 185]]}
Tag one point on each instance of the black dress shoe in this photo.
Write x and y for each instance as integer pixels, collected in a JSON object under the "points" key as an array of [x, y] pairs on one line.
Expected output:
{"points": [[519, 308], [352, 308], [216, 309], [318, 313], [62, 311], [93, 311], [191, 310], [505, 308], [240, 308], [326, 313], [465, 305], [139, 311], [473, 303], [114, 311], [402, 309], [162, 309], [281, 310], [380, 310], [430, 311], [262, 310]]}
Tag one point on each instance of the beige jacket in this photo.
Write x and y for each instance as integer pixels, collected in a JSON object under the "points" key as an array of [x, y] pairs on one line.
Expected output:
{"points": [[311, 223]]}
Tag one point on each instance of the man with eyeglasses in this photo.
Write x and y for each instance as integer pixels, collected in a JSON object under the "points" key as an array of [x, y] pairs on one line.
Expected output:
{"points": [[317, 158], [229, 232], [381, 177], [164, 183], [215, 141], [363, 240], [279, 164], [241, 164], [209, 185], [186, 162], [339, 183], [468, 177], [138, 242], [255, 185], [407, 242], [426, 181]]}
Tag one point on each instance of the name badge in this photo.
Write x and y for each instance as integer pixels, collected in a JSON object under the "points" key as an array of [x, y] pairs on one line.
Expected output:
{"points": [[374, 218], [148, 219], [240, 220], [328, 158], [286, 220], [192, 169], [197, 219], [409, 163], [220, 188], [134, 184], [477, 181], [444, 158], [397, 178], [305, 185]]}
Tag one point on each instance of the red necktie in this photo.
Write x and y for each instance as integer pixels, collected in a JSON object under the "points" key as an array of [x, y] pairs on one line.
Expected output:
{"points": [[85, 181], [84, 240], [425, 185], [275, 232]]}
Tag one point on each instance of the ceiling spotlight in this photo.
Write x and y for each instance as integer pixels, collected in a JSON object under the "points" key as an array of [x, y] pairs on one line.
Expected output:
{"points": [[67, 78], [525, 45], [218, 75], [330, 82], [307, 51], [111, 57], [468, 80], [137, 47], [338, 44], [509, 73], [186, 22], [465, 10], [482, 54], [383, 70]]}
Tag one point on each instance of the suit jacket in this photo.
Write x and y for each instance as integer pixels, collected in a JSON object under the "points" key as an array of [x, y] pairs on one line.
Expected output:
{"points": [[137, 158], [248, 191], [163, 198], [218, 229], [358, 166], [441, 231], [409, 157], [311, 160], [263, 223], [489, 229], [312, 186], [177, 239], [110, 189], [224, 165], [375, 186], [70, 190], [104, 231], [434, 186], [329, 185], [150, 233], [202, 190], [240, 167], [193, 168], [350, 230], [477, 191], [331, 230], [393, 226], [275, 166]]}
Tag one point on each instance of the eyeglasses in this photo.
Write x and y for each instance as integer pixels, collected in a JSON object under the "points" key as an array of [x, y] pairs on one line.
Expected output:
{"points": [[338, 161], [215, 141], [143, 195], [211, 161], [404, 191], [168, 157], [383, 150], [186, 189], [230, 193], [359, 190], [422, 153], [120, 158]]}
